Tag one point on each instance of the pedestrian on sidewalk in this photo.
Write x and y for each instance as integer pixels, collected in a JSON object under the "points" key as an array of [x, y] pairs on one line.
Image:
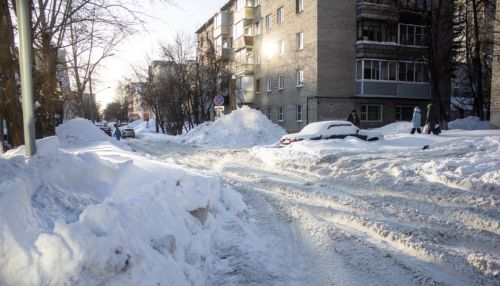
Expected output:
{"points": [[431, 120], [416, 120], [354, 118]]}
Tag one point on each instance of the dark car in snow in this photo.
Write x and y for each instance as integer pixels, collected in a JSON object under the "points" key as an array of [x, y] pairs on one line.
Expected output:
{"points": [[106, 130], [337, 129]]}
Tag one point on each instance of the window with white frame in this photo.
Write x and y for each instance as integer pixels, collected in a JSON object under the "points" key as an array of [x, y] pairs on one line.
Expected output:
{"points": [[300, 77], [281, 82], [280, 15], [240, 4], [269, 21], [371, 113], [256, 3], [238, 29], [412, 35], [257, 57], [298, 113], [282, 47], [300, 40], [269, 84], [299, 6], [257, 85], [391, 71], [280, 114]]}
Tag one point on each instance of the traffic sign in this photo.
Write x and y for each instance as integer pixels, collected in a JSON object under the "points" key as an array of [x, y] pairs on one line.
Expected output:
{"points": [[219, 100]]}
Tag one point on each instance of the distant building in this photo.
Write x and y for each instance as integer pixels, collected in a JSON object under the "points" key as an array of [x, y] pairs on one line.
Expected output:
{"points": [[304, 61], [138, 109]]}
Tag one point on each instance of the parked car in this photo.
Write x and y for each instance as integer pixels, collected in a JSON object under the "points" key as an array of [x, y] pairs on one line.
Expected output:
{"points": [[106, 130], [128, 133], [337, 129]]}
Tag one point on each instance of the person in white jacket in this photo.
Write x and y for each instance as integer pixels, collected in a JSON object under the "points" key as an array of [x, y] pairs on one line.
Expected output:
{"points": [[416, 121]]}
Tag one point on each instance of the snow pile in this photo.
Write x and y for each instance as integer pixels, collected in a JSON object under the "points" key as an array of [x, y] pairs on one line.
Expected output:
{"points": [[107, 216], [394, 128], [140, 126], [242, 128], [469, 123], [81, 132]]}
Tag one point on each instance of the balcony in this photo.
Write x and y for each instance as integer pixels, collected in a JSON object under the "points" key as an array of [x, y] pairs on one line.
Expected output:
{"points": [[409, 90], [386, 12], [388, 51], [243, 42], [222, 30], [244, 14], [225, 53], [244, 69]]}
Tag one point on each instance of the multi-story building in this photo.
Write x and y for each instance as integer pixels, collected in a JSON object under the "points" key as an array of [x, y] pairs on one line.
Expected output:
{"points": [[138, 109], [303, 61]]}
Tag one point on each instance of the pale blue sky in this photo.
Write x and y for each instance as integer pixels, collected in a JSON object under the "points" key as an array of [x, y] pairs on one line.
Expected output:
{"points": [[186, 16]]}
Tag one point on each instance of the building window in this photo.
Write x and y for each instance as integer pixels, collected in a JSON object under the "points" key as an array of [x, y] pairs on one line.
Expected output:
{"points": [[371, 70], [269, 84], [299, 6], [269, 21], [256, 3], [280, 114], [371, 113], [300, 40], [404, 113], [298, 113], [412, 35], [257, 85], [282, 47], [258, 29], [257, 57], [359, 69], [238, 29], [281, 82], [300, 78], [281, 15], [388, 71]]}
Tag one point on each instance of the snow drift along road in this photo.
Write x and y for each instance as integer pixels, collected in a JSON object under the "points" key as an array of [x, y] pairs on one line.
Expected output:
{"points": [[106, 216]]}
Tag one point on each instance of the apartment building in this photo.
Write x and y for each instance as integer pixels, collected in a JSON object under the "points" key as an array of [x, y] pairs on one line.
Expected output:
{"points": [[301, 61]]}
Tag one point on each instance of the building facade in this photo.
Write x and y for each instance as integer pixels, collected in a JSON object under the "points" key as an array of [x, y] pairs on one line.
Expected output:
{"points": [[301, 61], [138, 109]]}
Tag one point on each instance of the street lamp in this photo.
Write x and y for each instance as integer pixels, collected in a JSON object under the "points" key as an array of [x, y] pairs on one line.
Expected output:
{"points": [[26, 77]]}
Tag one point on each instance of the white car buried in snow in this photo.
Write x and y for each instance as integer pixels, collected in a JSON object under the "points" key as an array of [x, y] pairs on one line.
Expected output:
{"points": [[336, 129]]}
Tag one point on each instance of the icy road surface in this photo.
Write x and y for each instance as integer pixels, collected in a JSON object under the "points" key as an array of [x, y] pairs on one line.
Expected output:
{"points": [[348, 219]]}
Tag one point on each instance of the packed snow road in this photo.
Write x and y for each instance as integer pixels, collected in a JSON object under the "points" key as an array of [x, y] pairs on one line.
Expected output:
{"points": [[350, 218]]}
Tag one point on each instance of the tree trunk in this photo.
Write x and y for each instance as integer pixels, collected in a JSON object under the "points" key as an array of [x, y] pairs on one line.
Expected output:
{"points": [[479, 102], [9, 104]]}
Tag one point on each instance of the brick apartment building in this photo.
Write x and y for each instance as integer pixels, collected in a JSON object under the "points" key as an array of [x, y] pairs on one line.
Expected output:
{"points": [[301, 61]]}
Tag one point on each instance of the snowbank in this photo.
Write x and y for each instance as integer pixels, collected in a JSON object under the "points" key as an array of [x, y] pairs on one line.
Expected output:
{"points": [[104, 216], [393, 128], [244, 127], [140, 126], [469, 123]]}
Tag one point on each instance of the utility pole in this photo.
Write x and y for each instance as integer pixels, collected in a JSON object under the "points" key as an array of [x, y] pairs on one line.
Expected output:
{"points": [[26, 77]]}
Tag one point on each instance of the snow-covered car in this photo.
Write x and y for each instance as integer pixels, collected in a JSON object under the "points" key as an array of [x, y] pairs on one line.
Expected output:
{"points": [[336, 129], [128, 132]]}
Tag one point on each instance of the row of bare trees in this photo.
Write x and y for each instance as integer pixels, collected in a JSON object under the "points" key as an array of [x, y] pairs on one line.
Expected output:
{"points": [[71, 38], [181, 89]]}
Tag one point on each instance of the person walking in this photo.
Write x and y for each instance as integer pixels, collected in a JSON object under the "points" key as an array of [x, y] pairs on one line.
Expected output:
{"points": [[416, 121], [118, 133], [431, 120], [354, 118]]}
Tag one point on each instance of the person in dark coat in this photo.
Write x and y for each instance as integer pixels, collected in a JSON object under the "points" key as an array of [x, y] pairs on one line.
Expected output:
{"points": [[431, 120], [416, 120], [118, 133], [354, 118]]}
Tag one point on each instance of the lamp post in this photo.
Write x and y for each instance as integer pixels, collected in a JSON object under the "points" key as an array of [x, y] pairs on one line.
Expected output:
{"points": [[26, 77]]}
